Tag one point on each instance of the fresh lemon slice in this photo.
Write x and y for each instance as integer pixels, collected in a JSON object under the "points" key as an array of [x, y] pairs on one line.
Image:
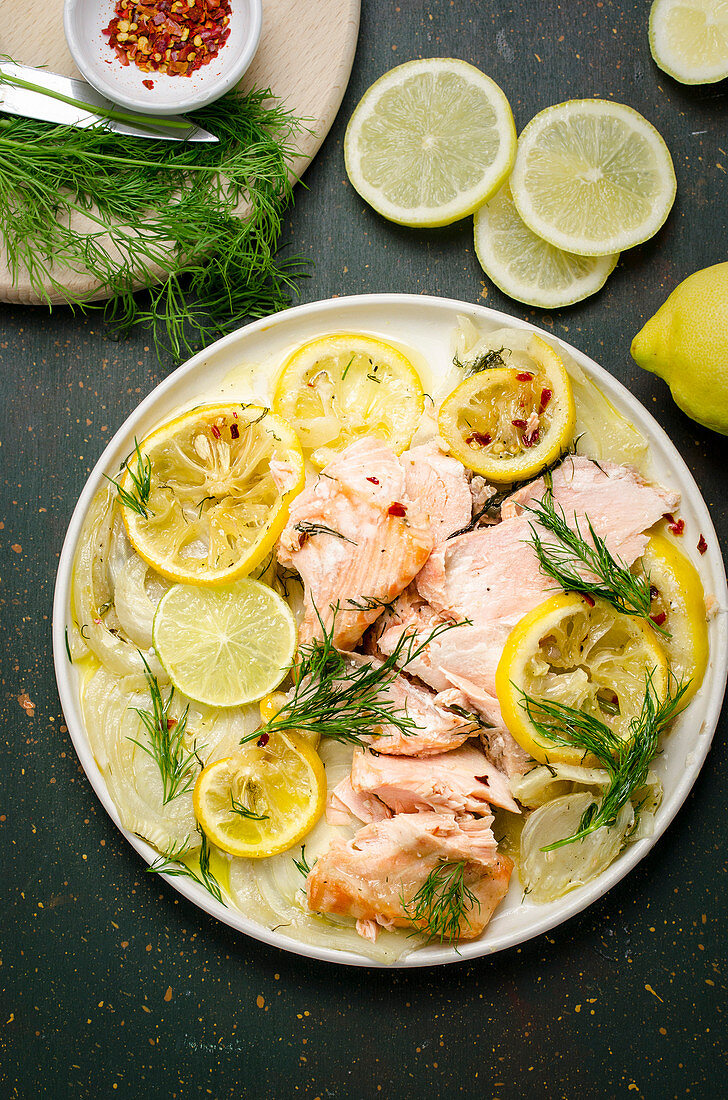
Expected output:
{"points": [[221, 478], [678, 596], [430, 141], [592, 177], [689, 39], [507, 423], [591, 658], [526, 267], [264, 800], [224, 646], [340, 387]]}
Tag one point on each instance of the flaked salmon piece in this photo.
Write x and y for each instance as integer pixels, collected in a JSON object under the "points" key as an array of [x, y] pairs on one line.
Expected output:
{"points": [[439, 729], [460, 782], [351, 546], [439, 483], [373, 876], [344, 802]]}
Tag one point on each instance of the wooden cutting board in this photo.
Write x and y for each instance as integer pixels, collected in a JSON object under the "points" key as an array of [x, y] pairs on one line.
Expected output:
{"points": [[305, 56]]}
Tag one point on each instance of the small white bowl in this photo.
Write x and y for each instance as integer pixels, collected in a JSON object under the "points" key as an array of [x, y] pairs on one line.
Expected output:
{"points": [[84, 21]]}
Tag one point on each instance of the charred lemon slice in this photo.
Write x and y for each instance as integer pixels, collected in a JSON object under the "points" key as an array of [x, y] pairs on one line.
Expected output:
{"points": [[216, 484], [264, 800], [507, 424], [678, 604], [588, 657], [338, 388]]}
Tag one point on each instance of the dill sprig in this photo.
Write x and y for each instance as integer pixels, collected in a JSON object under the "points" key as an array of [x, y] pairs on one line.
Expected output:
{"points": [[171, 864], [307, 528], [239, 808], [441, 905], [156, 204], [615, 584], [302, 865], [627, 761], [335, 698], [141, 479], [166, 745], [486, 361], [368, 603]]}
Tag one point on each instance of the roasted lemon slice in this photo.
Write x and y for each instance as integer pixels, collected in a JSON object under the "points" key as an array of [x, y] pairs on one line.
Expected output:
{"points": [[507, 423], [216, 486], [678, 604], [263, 800], [338, 388], [584, 656]]}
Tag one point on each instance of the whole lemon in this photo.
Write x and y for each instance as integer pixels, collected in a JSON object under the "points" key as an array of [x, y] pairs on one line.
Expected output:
{"points": [[686, 343]]}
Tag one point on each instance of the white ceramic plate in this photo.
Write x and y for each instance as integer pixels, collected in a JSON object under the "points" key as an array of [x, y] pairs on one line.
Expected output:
{"points": [[242, 366]]}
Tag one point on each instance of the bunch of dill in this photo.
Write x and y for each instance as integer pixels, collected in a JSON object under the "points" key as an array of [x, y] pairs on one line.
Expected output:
{"points": [[169, 204]]}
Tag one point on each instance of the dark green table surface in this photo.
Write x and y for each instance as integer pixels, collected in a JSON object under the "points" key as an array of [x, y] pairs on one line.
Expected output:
{"points": [[112, 984]]}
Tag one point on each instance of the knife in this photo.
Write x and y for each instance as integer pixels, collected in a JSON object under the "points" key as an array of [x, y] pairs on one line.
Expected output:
{"points": [[36, 93]]}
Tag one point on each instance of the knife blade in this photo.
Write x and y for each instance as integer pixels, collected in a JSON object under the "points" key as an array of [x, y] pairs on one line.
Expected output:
{"points": [[55, 104]]}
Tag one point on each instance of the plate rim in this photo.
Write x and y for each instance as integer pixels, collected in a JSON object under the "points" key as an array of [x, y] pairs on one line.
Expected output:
{"points": [[568, 906]]}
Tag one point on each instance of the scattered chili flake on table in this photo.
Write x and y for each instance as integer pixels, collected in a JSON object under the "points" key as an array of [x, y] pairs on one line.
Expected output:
{"points": [[169, 36]]}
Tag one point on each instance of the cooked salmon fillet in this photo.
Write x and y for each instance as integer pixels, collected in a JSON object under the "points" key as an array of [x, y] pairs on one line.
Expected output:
{"points": [[344, 802], [374, 875], [462, 781], [438, 729], [354, 541], [439, 484]]}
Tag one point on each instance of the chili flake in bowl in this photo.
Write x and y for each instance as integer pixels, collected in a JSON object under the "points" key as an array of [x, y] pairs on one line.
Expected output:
{"points": [[119, 44], [169, 36]]}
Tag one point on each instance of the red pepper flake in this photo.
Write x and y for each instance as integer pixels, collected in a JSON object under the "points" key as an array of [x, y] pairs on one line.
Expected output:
{"points": [[677, 527], [168, 36], [482, 439], [482, 779], [546, 396], [234, 431], [659, 619], [396, 509], [374, 480], [654, 593], [587, 599], [522, 424], [171, 723], [263, 740], [148, 84], [523, 377], [532, 438], [702, 545], [215, 431]]}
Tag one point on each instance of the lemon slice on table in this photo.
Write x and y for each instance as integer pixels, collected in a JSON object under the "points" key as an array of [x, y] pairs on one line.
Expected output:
{"points": [[214, 508], [526, 267], [678, 604], [508, 423], [224, 646], [338, 388], [689, 39], [591, 658], [592, 177], [430, 141], [264, 800]]}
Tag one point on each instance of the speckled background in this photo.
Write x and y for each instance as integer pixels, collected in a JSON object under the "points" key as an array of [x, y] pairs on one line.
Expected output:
{"points": [[112, 985]]}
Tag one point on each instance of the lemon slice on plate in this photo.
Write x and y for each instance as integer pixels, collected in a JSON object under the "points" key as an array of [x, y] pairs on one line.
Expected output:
{"points": [[224, 646], [340, 387], [220, 479], [526, 267], [264, 800], [592, 177], [430, 141], [678, 604], [508, 423], [689, 39], [591, 658]]}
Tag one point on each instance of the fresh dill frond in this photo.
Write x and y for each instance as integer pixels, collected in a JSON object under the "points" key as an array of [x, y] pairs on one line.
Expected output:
{"points": [[305, 527], [346, 368], [346, 701], [627, 592], [166, 746], [141, 478], [626, 761], [368, 603], [238, 807], [68, 648], [486, 361], [441, 905], [471, 716], [302, 864], [161, 206], [171, 864]]}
